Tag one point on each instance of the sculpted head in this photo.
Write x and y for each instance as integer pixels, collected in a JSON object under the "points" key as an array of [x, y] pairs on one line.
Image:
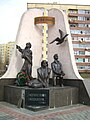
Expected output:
{"points": [[28, 45], [55, 56], [44, 63]]}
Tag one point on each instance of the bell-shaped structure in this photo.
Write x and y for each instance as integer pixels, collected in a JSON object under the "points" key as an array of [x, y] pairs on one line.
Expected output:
{"points": [[30, 32]]}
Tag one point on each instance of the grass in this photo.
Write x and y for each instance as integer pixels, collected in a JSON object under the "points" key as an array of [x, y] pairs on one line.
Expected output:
{"points": [[85, 75]]}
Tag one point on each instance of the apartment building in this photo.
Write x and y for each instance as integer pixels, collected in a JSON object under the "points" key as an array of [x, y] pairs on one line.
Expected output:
{"points": [[2, 53], [79, 22], [6, 51], [9, 50]]}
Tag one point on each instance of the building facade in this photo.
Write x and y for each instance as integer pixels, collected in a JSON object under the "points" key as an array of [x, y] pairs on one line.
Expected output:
{"points": [[79, 22], [2, 53], [9, 50], [6, 51]]}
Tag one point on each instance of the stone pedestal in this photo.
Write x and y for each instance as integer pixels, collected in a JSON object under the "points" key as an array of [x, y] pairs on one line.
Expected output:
{"points": [[63, 96], [4, 82], [41, 98]]}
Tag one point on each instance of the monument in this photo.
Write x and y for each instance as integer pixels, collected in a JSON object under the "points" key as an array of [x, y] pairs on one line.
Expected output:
{"points": [[40, 29]]}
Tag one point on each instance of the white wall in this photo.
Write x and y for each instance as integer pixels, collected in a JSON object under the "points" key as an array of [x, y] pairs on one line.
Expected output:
{"points": [[28, 32]]}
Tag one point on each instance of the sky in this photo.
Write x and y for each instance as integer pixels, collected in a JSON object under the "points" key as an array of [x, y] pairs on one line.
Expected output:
{"points": [[12, 10]]}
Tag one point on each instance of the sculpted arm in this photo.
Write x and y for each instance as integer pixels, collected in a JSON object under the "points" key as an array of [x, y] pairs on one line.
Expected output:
{"points": [[49, 71], [19, 48], [38, 72]]}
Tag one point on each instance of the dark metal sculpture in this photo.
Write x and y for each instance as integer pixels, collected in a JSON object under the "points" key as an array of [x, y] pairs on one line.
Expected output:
{"points": [[61, 39], [57, 72], [27, 55], [35, 83], [44, 73]]}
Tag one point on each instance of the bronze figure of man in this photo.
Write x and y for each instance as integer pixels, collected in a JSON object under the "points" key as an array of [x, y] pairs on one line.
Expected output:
{"points": [[57, 72]]}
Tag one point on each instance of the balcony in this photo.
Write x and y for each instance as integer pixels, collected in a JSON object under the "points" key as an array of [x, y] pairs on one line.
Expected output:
{"points": [[80, 35], [79, 28], [82, 67], [81, 49], [83, 64], [76, 15], [84, 71], [79, 22], [82, 56], [78, 42]]}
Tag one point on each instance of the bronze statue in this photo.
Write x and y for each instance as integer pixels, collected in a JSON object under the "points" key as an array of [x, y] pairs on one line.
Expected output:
{"points": [[44, 73], [35, 83], [27, 55], [61, 39], [57, 72]]}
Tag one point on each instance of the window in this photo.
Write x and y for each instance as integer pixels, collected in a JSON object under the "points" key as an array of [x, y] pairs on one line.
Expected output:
{"points": [[87, 11], [88, 59], [76, 45], [81, 59], [72, 25], [81, 11], [72, 38], [84, 45], [80, 25], [81, 67], [81, 52], [87, 53], [81, 18], [76, 52], [81, 32], [87, 19], [82, 39], [87, 25], [87, 32], [87, 38]]}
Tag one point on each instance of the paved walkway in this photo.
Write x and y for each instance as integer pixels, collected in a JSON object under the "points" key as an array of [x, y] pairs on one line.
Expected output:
{"points": [[76, 112]]}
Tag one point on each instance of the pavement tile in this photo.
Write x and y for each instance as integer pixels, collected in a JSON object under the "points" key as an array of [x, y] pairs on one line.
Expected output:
{"points": [[4, 116], [77, 112]]}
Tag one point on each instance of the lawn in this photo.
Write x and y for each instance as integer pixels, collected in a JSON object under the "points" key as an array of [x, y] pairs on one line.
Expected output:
{"points": [[85, 75]]}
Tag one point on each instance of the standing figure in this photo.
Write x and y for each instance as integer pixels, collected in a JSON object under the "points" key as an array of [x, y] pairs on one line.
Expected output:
{"points": [[44, 73], [27, 55], [57, 72]]}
